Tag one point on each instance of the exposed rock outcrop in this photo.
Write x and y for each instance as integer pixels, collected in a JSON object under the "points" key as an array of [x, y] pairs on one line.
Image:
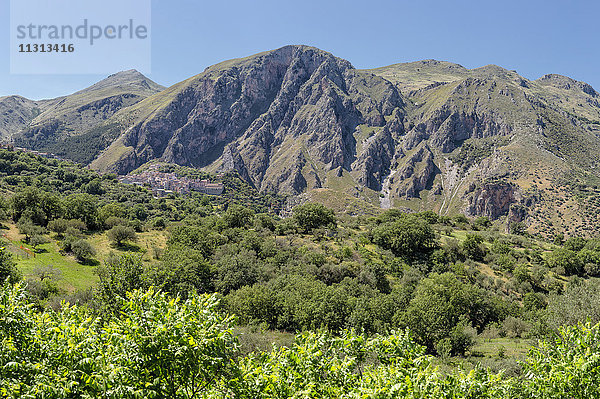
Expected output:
{"points": [[416, 175], [493, 199]]}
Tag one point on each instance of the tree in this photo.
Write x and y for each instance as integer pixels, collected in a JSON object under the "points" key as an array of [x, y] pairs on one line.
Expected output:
{"points": [[533, 301], [408, 236], [195, 237], [238, 216], [138, 212], [29, 229], [579, 303], [84, 207], [235, 270], [158, 223], [517, 228], [8, 267], [82, 249], [575, 243], [121, 233], [590, 258], [442, 306], [36, 205], [4, 208], [312, 216], [76, 224], [182, 271], [473, 247], [559, 239], [36, 240], [265, 221], [565, 261], [59, 226], [94, 187], [48, 272], [113, 221], [112, 209], [118, 275], [482, 223]]}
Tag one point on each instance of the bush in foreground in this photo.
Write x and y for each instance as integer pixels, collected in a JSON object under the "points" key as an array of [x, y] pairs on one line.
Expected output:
{"points": [[164, 347]]}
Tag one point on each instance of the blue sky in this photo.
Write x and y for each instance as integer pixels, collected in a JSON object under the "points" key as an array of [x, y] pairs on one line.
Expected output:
{"points": [[531, 36]]}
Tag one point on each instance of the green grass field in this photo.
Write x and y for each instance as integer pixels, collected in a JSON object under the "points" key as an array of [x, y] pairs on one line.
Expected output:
{"points": [[75, 276], [502, 347]]}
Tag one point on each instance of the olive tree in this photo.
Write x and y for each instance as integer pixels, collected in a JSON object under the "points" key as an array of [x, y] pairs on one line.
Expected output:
{"points": [[121, 233]]}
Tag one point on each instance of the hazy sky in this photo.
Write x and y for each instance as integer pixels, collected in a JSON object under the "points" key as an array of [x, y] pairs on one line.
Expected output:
{"points": [[531, 36]]}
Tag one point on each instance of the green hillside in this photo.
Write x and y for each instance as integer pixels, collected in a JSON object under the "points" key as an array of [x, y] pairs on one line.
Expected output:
{"points": [[473, 299]]}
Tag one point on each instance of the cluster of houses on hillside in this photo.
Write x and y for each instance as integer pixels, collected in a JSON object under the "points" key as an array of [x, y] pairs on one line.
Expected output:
{"points": [[163, 184]]}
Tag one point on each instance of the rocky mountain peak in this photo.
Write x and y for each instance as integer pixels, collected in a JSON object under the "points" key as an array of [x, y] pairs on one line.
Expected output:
{"points": [[124, 79], [566, 83]]}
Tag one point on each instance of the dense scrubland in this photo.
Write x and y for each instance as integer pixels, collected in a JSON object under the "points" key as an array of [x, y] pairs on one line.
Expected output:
{"points": [[110, 292]]}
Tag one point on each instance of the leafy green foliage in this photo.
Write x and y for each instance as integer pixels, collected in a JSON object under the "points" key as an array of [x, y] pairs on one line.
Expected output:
{"points": [[119, 275], [238, 216], [159, 346], [59, 226], [407, 236], [36, 240], [83, 250], [311, 216], [565, 261], [8, 267], [442, 307], [36, 206], [577, 304], [119, 233], [473, 248], [567, 366], [29, 229]]}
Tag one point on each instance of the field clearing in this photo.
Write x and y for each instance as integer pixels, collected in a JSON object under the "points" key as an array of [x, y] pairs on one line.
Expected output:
{"points": [[508, 347], [75, 276]]}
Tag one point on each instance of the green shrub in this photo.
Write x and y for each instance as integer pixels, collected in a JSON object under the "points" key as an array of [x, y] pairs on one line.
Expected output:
{"points": [[312, 216], [82, 249]]}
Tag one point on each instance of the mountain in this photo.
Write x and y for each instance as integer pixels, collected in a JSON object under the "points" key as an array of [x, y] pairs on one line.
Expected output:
{"points": [[16, 113], [287, 120], [68, 125], [500, 145], [298, 120]]}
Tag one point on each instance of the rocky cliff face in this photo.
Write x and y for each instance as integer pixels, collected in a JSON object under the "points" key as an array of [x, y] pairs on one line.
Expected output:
{"points": [[416, 175], [492, 199], [284, 119]]}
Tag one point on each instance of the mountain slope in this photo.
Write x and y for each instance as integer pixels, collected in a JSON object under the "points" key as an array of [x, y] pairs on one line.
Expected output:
{"points": [[504, 146], [16, 113], [67, 125], [421, 135], [285, 119]]}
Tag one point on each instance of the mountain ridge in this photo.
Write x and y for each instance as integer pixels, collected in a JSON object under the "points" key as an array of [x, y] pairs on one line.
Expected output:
{"points": [[67, 124], [424, 135]]}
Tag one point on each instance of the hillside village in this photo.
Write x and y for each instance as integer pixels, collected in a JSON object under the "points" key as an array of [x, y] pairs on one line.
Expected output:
{"points": [[163, 184]]}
